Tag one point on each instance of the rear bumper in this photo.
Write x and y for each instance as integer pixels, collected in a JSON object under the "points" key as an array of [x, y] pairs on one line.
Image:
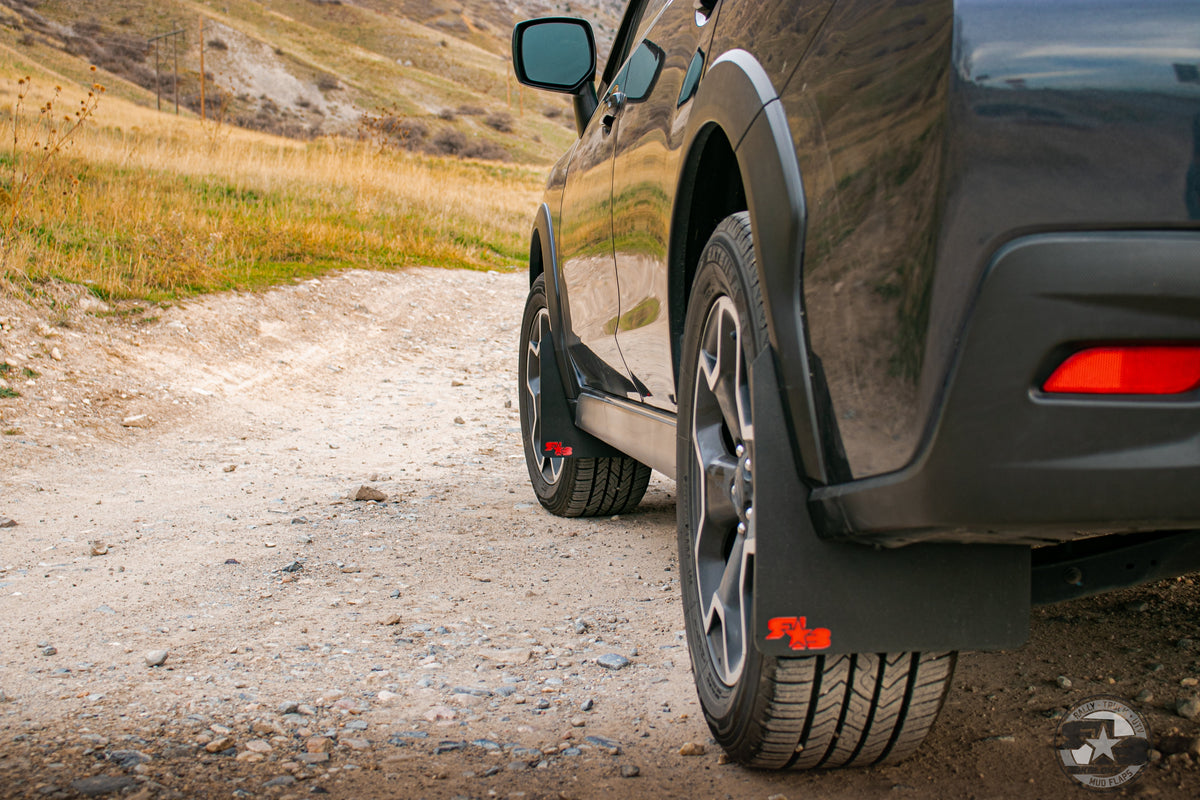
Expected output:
{"points": [[1003, 462]]}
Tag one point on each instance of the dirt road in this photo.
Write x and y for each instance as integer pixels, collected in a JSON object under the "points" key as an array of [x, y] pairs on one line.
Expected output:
{"points": [[182, 480]]}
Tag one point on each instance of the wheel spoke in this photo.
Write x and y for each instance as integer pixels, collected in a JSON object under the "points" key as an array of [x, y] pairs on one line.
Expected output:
{"points": [[722, 440], [719, 473], [551, 468]]}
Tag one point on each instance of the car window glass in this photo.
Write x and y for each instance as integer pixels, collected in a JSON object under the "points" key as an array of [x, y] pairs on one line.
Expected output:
{"points": [[626, 36], [642, 71], [691, 78]]}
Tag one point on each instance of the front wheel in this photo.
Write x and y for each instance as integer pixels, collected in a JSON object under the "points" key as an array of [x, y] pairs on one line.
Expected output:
{"points": [[567, 487], [810, 712]]}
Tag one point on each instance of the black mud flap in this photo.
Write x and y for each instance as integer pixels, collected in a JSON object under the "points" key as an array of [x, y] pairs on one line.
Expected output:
{"points": [[814, 596], [560, 437]]}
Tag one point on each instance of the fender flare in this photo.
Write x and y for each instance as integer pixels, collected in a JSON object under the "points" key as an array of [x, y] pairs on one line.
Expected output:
{"points": [[737, 97], [543, 228]]}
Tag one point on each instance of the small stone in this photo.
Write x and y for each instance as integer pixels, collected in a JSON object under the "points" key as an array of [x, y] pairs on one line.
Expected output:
{"points": [[56, 354], [542, 703], [282, 780], [630, 771], [587, 705], [461, 421], [457, 383], [607, 745], [49, 650], [369, 493], [386, 697], [136, 421], [578, 722], [393, 619], [229, 468], [318, 744], [1194, 748], [1188, 707], [439, 713], [1144, 696], [127, 759], [219, 745], [784, 796], [1137, 607], [1189, 682], [355, 744], [313, 758], [102, 785], [156, 658], [517, 766], [7, 522], [1063, 682], [692, 749], [295, 566], [98, 548], [259, 746], [613, 661], [289, 707]]}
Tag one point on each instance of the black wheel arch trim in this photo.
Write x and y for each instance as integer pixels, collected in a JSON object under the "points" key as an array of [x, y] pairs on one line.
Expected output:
{"points": [[543, 238], [737, 97]]}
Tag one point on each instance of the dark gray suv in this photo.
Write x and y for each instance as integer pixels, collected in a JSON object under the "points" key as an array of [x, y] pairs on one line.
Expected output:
{"points": [[905, 295]]}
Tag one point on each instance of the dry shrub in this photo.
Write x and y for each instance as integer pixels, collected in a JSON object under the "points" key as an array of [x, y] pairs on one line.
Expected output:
{"points": [[448, 142], [500, 120]]}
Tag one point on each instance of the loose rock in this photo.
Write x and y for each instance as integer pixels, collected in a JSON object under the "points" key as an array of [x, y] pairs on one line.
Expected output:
{"points": [[693, 749], [1063, 682], [156, 658], [630, 771], [1188, 707], [613, 661], [369, 493], [7, 522], [102, 785], [219, 745]]}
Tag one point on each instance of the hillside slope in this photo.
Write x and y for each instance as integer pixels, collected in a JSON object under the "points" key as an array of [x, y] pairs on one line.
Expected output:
{"points": [[427, 76]]}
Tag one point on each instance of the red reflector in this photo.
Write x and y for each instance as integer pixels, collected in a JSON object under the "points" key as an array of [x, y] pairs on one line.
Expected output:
{"points": [[1141, 369]]}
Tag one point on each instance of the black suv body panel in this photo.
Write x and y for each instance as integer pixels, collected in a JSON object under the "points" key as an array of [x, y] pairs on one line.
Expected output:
{"points": [[945, 196]]}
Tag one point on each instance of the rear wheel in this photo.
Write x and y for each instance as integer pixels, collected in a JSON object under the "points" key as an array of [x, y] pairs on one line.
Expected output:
{"points": [[816, 711], [568, 487]]}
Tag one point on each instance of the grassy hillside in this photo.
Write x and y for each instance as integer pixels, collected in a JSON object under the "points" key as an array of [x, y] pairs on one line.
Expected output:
{"points": [[309, 68], [334, 133]]}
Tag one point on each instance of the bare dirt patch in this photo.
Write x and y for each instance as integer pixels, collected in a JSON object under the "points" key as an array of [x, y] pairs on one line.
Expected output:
{"points": [[182, 481]]}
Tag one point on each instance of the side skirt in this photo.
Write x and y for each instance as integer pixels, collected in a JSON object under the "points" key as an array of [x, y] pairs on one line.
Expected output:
{"points": [[640, 432]]}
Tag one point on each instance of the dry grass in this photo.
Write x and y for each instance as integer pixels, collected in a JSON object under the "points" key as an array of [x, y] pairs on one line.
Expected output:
{"points": [[154, 206]]}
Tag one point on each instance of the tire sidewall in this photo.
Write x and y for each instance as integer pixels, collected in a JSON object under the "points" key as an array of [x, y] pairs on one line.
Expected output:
{"points": [[726, 269], [534, 304]]}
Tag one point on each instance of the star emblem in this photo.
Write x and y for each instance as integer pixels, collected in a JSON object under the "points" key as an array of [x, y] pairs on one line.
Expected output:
{"points": [[1103, 746]]}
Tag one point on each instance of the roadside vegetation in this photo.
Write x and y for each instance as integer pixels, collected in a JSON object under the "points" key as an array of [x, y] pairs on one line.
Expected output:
{"points": [[139, 204]]}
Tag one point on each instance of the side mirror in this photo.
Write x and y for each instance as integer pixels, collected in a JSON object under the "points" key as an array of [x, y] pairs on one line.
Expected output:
{"points": [[558, 54]]}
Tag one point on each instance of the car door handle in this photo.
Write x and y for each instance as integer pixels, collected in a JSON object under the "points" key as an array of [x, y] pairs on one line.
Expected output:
{"points": [[614, 103]]}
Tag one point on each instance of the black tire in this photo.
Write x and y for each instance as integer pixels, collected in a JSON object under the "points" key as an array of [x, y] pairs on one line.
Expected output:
{"points": [[567, 487], [811, 712]]}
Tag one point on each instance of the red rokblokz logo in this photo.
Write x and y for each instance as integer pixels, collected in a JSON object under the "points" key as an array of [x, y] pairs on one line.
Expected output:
{"points": [[800, 636], [1102, 743]]}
